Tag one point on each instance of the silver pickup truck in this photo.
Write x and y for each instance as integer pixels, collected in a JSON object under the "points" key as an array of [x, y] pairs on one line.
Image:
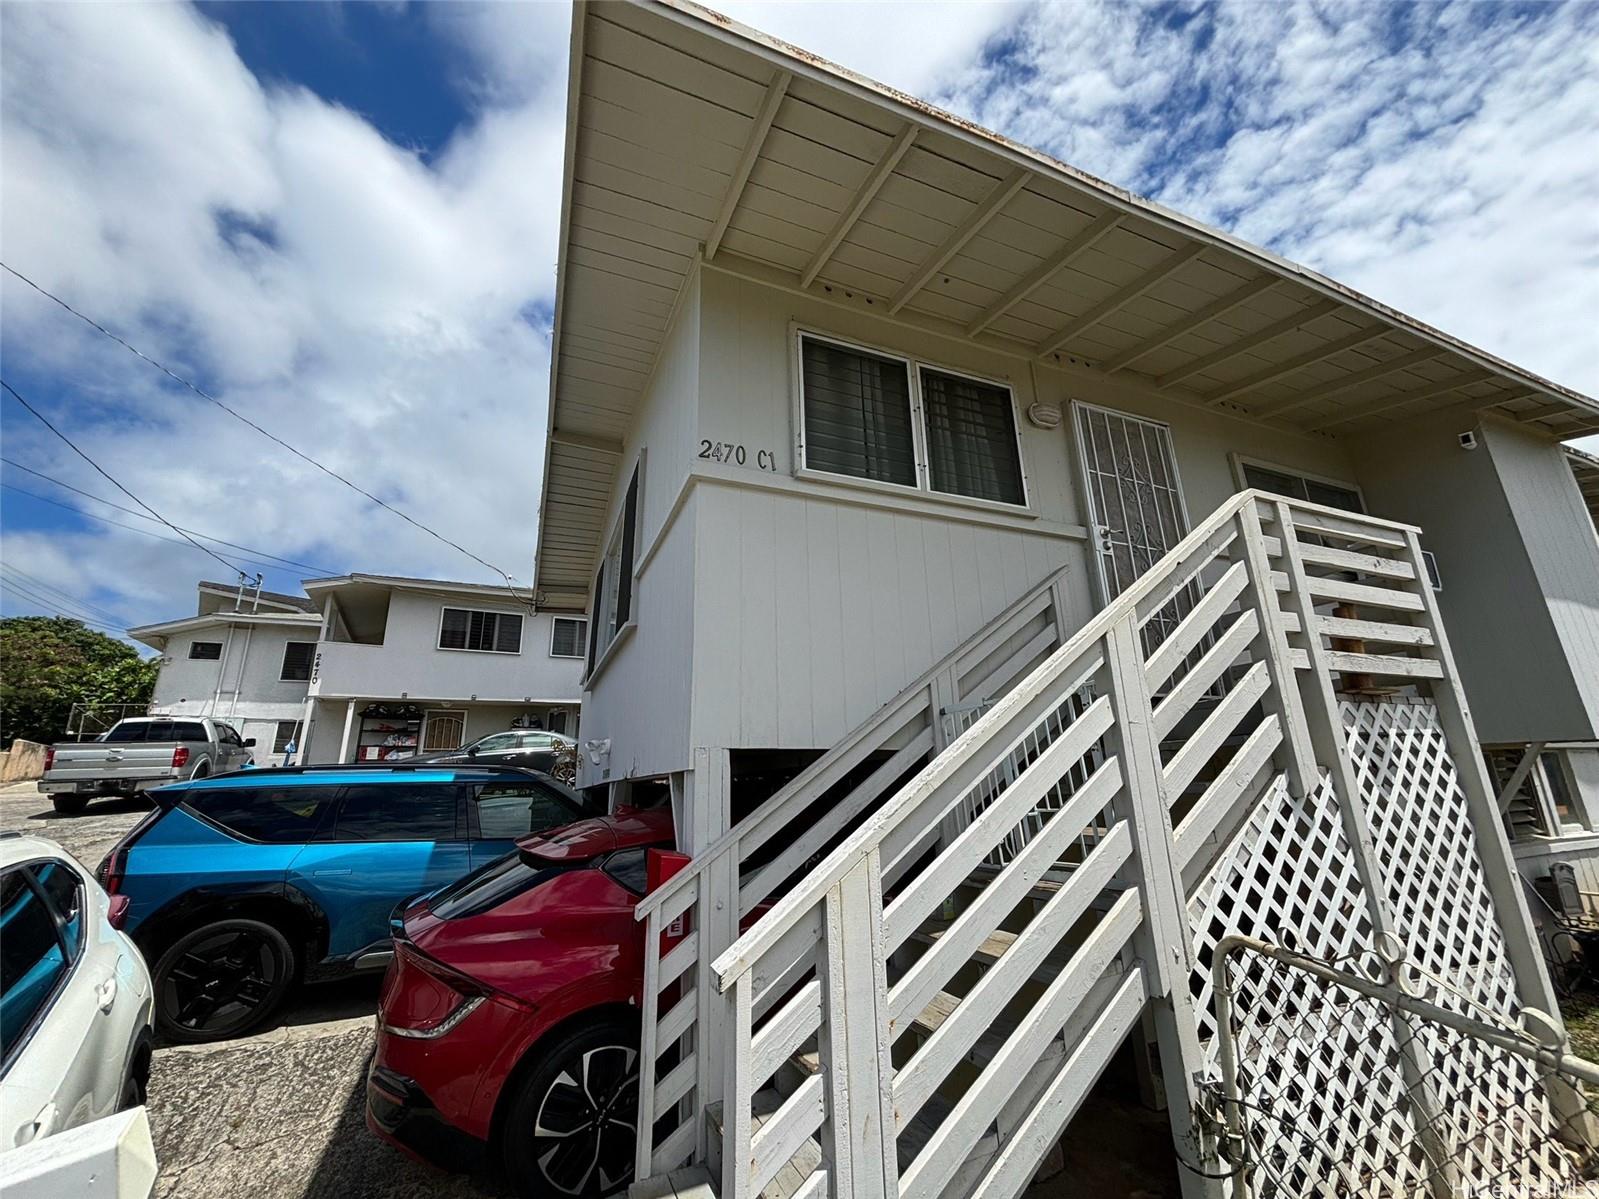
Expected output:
{"points": [[139, 753]]}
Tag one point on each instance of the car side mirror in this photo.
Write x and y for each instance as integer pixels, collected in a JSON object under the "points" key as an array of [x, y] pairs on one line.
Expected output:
{"points": [[249, 743], [471, 751]]}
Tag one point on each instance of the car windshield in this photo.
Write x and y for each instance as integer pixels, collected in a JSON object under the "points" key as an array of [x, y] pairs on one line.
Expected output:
{"points": [[491, 885]]}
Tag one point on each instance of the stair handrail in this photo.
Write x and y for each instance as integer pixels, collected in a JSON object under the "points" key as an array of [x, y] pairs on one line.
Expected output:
{"points": [[792, 792], [747, 950]]}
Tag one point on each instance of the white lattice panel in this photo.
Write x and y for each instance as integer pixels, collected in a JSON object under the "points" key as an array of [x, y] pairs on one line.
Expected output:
{"points": [[1438, 896], [1289, 877]]}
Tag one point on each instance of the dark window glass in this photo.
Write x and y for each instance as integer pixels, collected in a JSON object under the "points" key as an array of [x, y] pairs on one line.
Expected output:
{"points": [[971, 438], [1298, 488], [281, 815], [288, 733], [297, 659], [566, 641], [31, 960], [489, 886], [627, 867], [509, 810], [857, 414], [64, 889], [158, 730], [398, 811], [208, 650], [496, 632]]}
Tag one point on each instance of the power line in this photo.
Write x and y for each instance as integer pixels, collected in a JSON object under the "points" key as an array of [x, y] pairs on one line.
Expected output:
{"points": [[320, 570], [54, 609], [67, 597], [330, 472], [43, 420], [44, 499]]}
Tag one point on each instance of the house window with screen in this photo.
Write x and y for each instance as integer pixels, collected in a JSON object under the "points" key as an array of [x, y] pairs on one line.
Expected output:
{"points": [[613, 584], [297, 659], [482, 632], [209, 651], [1298, 487], [866, 415], [568, 636]]}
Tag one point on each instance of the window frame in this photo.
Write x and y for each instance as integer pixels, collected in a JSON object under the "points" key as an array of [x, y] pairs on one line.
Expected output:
{"points": [[310, 662], [330, 830], [914, 366], [1239, 461], [293, 738], [521, 631], [70, 960], [596, 658], [583, 653], [194, 657]]}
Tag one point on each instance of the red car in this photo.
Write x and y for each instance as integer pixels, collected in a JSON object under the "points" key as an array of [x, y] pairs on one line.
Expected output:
{"points": [[509, 1021]]}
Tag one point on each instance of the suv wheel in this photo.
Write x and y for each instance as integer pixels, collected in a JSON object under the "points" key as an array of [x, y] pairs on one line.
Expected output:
{"points": [[571, 1128], [69, 805], [222, 979]]}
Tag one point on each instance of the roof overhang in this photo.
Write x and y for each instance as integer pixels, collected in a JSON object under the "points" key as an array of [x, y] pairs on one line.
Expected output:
{"points": [[694, 140], [156, 635], [316, 587]]}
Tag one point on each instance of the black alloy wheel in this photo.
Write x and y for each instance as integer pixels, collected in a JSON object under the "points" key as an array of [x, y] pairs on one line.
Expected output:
{"points": [[221, 980], [573, 1126]]}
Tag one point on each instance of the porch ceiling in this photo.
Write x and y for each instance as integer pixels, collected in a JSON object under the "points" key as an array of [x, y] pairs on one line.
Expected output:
{"points": [[689, 135]]}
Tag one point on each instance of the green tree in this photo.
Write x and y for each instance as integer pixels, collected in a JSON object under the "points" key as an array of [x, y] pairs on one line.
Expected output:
{"points": [[49, 663]]}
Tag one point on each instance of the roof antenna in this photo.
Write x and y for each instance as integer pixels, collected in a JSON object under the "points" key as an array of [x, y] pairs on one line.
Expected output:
{"points": [[238, 599], [256, 602]]}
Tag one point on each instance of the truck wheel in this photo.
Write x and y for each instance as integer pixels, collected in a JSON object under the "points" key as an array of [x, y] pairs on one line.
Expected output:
{"points": [[69, 805], [222, 979], [570, 1128]]}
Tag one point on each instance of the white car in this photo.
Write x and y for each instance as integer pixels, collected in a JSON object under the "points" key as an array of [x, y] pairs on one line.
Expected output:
{"points": [[75, 998]]}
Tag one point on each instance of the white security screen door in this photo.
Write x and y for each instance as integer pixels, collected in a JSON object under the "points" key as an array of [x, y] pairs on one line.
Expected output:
{"points": [[1135, 500]]}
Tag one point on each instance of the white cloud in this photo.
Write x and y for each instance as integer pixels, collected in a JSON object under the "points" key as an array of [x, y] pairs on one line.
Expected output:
{"points": [[369, 307], [372, 306]]}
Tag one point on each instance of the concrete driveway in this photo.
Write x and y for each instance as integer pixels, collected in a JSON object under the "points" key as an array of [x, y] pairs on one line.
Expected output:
{"points": [[277, 1115]]}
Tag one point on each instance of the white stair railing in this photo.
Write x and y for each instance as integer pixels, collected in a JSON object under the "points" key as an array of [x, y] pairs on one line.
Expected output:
{"points": [[1129, 755], [696, 914]]}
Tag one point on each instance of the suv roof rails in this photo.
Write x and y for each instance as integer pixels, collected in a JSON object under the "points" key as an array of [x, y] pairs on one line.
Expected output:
{"points": [[314, 767]]}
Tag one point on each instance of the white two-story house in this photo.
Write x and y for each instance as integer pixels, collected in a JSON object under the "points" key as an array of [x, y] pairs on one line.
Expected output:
{"points": [[244, 657], [415, 665]]}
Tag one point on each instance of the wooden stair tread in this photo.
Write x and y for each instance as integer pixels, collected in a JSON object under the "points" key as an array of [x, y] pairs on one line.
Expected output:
{"points": [[692, 1182], [995, 944], [789, 1180]]}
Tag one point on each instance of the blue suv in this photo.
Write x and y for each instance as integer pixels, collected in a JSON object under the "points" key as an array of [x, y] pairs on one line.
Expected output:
{"points": [[239, 886]]}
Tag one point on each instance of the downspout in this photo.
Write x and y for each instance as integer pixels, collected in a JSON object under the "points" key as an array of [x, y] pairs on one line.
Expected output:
{"points": [[302, 743], [238, 677], [222, 673]]}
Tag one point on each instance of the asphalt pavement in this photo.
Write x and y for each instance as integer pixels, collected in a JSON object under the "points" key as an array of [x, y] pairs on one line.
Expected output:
{"points": [[275, 1115]]}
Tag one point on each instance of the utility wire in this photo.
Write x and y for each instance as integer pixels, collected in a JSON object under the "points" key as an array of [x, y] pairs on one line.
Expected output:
{"points": [[320, 570], [54, 609], [50, 588], [204, 395], [43, 420], [44, 499]]}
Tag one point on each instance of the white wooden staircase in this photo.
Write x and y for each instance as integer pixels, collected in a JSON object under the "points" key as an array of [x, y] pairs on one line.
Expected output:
{"points": [[974, 897]]}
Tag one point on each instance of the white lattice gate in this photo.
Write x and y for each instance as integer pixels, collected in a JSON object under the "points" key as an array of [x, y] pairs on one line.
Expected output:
{"points": [[1343, 1096]]}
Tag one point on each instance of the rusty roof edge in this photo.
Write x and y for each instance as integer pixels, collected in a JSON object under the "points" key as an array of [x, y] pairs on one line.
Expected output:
{"points": [[805, 62]]}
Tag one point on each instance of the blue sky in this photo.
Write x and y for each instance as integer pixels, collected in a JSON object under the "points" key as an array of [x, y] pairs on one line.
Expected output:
{"points": [[341, 219]]}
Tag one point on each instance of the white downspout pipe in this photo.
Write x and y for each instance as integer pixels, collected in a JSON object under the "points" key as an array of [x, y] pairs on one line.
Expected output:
{"points": [[222, 673], [349, 723]]}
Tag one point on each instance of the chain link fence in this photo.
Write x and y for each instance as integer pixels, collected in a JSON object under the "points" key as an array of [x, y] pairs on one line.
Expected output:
{"points": [[1335, 1082]]}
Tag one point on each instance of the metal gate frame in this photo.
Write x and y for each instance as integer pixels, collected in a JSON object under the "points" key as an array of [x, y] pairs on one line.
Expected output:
{"points": [[1539, 1040]]}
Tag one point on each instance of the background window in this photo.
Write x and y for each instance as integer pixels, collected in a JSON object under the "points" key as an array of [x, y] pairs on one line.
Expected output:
{"points": [[209, 651], [32, 962], [297, 658], [1298, 487], [279, 815], [398, 812], [288, 732], [857, 414], [509, 810], [568, 636], [486, 632], [613, 585], [971, 438]]}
